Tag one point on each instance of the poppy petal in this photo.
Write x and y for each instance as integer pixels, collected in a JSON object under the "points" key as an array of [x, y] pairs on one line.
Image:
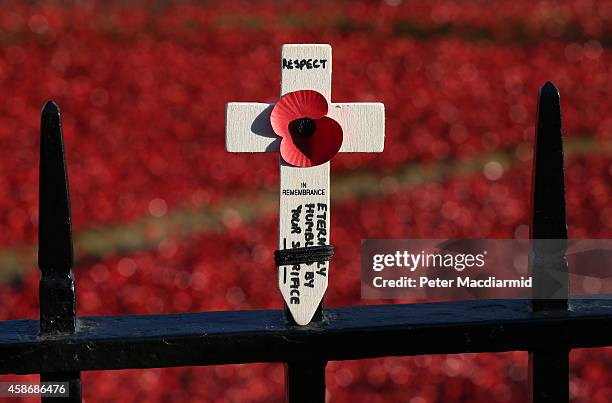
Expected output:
{"points": [[313, 150], [296, 105]]}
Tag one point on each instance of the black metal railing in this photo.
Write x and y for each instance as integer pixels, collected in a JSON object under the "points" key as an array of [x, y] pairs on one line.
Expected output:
{"points": [[61, 345]]}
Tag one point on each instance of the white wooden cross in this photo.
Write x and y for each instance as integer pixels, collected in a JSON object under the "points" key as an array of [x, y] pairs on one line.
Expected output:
{"points": [[248, 129]]}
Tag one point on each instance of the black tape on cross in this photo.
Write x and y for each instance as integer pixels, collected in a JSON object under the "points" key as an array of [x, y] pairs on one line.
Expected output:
{"points": [[308, 254]]}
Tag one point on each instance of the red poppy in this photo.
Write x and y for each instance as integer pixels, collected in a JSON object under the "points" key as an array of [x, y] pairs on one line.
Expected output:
{"points": [[309, 137]]}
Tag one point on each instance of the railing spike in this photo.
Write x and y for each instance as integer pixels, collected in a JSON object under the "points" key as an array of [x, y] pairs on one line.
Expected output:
{"points": [[548, 219], [548, 189], [55, 253], [549, 365]]}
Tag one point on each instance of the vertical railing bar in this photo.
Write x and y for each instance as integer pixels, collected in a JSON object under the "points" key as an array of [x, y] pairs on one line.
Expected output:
{"points": [[549, 366], [55, 253], [305, 380]]}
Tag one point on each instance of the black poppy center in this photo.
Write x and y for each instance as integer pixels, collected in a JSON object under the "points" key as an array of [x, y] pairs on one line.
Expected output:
{"points": [[303, 127]]}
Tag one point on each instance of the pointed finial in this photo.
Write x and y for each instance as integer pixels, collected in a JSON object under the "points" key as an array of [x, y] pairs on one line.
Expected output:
{"points": [[549, 88], [548, 187], [50, 107], [54, 229], [548, 220]]}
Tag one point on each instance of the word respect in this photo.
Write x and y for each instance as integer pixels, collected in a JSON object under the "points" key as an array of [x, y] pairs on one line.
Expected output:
{"points": [[301, 64]]}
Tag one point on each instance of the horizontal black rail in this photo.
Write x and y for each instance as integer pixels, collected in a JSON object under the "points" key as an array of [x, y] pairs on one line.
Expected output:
{"points": [[233, 337]]}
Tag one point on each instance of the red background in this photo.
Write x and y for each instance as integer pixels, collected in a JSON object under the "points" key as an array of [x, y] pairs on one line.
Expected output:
{"points": [[166, 221]]}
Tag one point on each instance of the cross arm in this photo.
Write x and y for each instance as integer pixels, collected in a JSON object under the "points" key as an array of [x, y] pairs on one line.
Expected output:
{"points": [[363, 125], [248, 129], [248, 126]]}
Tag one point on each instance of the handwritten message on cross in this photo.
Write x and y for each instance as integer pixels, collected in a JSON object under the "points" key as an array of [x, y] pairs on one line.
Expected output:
{"points": [[306, 142]]}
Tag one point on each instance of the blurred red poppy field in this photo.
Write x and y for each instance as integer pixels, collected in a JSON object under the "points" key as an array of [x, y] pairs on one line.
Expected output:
{"points": [[166, 221]]}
